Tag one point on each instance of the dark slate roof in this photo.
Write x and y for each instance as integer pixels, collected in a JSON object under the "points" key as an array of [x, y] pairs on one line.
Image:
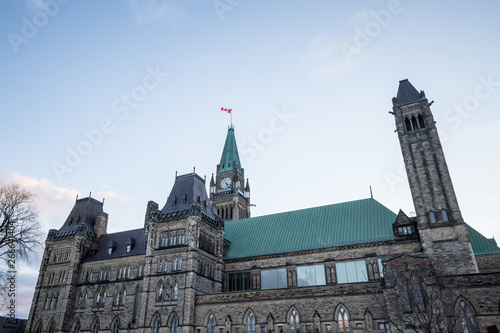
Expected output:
{"points": [[407, 93], [119, 240], [230, 153], [188, 189], [481, 244], [84, 213], [349, 223]]}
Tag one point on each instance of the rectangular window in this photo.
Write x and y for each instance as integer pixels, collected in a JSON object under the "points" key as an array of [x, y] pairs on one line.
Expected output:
{"points": [[351, 271], [311, 275], [309, 328], [380, 268], [239, 281], [280, 329], [386, 327], [273, 278], [328, 328]]}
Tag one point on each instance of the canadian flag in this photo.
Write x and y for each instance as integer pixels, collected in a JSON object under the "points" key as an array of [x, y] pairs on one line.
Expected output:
{"points": [[226, 110]]}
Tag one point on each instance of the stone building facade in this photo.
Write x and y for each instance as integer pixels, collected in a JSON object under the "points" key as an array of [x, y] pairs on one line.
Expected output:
{"points": [[201, 264]]}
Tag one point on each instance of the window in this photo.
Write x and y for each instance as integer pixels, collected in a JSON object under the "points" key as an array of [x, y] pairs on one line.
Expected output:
{"points": [[174, 268], [115, 328], [311, 275], [97, 299], [140, 271], [84, 301], [343, 320], [45, 306], [182, 237], [294, 322], [95, 327], [128, 247], [273, 278], [179, 268], [421, 122], [76, 327], [328, 328], [79, 301], [124, 296], [174, 324], [103, 299], [210, 324], [239, 281], [156, 324], [386, 327], [466, 317], [403, 231], [250, 323], [176, 291], [445, 215], [117, 298], [128, 272], [351, 271], [160, 266], [160, 293], [432, 217], [110, 250]]}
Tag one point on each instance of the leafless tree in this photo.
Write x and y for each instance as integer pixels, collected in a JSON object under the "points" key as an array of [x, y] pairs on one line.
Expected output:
{"points": [[420, 300], [20, 230]]}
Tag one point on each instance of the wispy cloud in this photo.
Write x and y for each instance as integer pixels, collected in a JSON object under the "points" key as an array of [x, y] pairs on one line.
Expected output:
{"points": [[170, 12], [323, 58]]}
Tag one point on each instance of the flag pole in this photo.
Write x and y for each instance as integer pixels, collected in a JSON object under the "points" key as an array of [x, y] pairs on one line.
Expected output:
{"points": [[231, 118]]}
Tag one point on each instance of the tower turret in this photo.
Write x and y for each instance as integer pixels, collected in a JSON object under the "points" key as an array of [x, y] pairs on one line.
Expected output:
{"points": [[227, 192], [440, 223]]}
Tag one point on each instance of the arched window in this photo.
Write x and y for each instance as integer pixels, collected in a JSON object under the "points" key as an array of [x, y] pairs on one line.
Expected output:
{"points": [[51, 328], [432, 217], [421, 122], [250, 323], [52, 299], [76, 327], [174, 267], [156, 324], [38, 328], [211, 324], [294, 322], [124, 296], [160, 266], [115, 327], [180, 264], [103, 299], [173, 324], [160, 292], [414, 123], [84, 301], [98, 299], [117, 297], [45, 306], [57, 302], [140, 271], [445, 215], [407, 124], [95, 326], [343, 320], [466, 317], [167, 291], [176, 291]]}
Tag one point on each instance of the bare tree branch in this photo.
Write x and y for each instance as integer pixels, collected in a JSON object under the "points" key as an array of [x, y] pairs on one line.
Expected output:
{"points": [[20, 230]]}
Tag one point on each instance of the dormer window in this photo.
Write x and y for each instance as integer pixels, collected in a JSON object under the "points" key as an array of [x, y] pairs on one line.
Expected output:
{"points": [[129, 244], [110, 250], [403, 231], [175, 200], [128, 248]]}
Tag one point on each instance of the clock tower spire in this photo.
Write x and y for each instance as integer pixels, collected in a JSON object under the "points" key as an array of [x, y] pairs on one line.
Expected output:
{"points": [[227, 193]]}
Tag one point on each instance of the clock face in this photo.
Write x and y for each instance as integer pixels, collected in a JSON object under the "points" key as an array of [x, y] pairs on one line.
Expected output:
{"points": [[225, 183]]}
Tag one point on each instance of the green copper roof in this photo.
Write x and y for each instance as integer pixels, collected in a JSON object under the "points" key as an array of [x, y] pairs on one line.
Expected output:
{"points": [[481, 244], [355, 222], [230, 154]]}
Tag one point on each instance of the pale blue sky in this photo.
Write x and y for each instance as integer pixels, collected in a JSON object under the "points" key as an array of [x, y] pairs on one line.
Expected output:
{"points": [[261, 58]]}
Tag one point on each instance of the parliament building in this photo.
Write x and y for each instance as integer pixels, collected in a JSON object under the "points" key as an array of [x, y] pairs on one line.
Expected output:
{"points": [[201, 264]]}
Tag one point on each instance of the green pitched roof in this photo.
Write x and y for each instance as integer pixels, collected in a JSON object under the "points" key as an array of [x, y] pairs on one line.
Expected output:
{"points": [[230, 154], [355, 222], [481, 244]]}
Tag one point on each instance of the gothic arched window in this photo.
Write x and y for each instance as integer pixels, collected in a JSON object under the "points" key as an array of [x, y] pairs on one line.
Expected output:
{"points": [[160, 292], [211, 324], [173, 324], [76, 327], [250, 323], [421, 122], [95, 326], [294, 322], [343, 320], [156, 324], [115, 327], [407, 124], [445, 215], [414, 123], [176, 291], [466, 317], [432, 217], [124, 296]]}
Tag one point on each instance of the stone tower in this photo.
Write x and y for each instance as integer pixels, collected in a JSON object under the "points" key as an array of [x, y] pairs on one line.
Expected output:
{"points": [[440, 224], [184, 254], [54, 297], [228, 192]]}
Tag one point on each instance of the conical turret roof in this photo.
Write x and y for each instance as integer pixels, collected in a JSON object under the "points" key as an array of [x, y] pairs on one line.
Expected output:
{"points": [[230, 154], [407, 93]]}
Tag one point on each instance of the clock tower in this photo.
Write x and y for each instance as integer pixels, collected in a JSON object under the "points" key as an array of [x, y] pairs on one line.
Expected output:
{"points": [[228, 192]]}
